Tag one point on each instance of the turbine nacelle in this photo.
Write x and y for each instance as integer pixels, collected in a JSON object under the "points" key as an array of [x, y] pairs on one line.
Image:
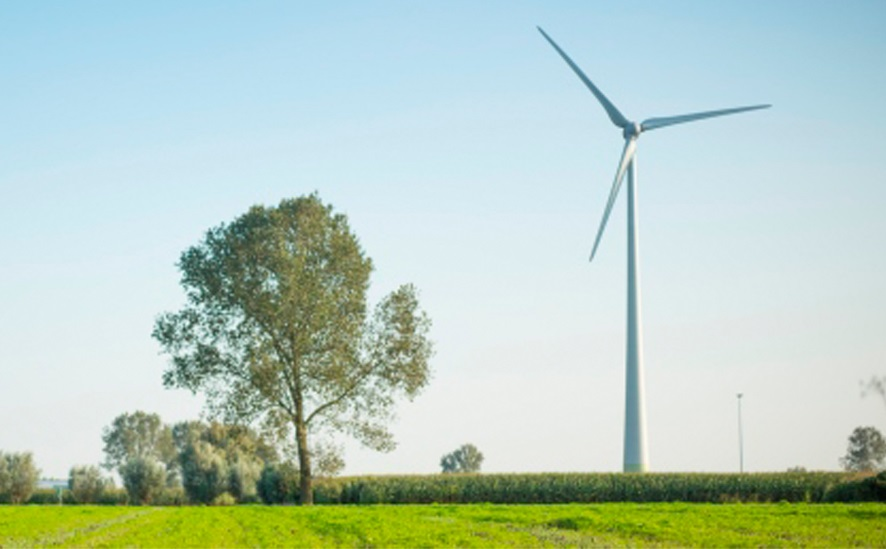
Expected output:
{"points": [[632, 129]]}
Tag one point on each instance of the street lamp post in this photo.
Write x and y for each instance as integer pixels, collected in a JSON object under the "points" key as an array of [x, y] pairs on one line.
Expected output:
{"points": [[740, 438]]}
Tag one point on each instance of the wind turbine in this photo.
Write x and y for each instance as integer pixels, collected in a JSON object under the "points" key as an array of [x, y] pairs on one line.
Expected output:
{"points": [[636, 458]]}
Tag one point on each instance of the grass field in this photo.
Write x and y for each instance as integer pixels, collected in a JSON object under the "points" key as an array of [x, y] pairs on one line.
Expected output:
{"points": [[616, 524]]}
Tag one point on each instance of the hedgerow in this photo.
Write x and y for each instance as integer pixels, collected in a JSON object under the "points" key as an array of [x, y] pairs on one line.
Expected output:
{"points": [[549, 488]]}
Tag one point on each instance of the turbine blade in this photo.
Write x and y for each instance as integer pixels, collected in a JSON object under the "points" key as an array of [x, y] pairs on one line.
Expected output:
{"points": [[627, 156], [655, 123], [617, 118]]}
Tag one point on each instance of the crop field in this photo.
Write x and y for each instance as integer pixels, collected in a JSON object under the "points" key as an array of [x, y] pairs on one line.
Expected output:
{"points": [[613, 524]]}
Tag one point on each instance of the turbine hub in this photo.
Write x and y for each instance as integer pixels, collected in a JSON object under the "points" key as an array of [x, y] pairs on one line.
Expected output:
{"points": [[633, 129]]}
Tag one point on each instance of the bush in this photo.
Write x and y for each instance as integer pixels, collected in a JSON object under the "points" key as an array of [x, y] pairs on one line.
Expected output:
{"points": [[49, 496], [224, 499], [279, 483], [144, 480], [113, 496], [860, 488], [171, 495]]}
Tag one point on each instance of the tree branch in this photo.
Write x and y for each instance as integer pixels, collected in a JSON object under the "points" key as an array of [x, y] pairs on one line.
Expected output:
{"points": [[344, 394]]}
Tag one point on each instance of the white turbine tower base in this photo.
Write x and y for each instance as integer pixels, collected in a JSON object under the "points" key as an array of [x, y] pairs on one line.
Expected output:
{"points": [[636, 458]]}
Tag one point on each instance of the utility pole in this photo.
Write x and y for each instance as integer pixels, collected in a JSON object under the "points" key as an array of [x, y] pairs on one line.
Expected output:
{"points": [[740, 438]]}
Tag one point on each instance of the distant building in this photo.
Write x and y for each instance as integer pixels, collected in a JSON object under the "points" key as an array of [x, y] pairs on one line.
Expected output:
{"points": [[52, 483]]}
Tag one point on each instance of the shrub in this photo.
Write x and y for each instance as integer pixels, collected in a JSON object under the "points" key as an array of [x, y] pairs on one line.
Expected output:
{"points": [[224, 499], [171, 495], [860, 488], [279, 483], [144, 480], [114, 496], [49, 496]]}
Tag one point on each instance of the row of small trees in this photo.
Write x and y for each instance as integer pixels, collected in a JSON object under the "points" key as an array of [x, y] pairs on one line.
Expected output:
{"points": [[214, 463], [192, 460]]}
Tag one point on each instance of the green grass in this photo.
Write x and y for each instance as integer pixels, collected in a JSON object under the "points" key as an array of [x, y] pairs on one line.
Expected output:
{"points": [[575, 525]]}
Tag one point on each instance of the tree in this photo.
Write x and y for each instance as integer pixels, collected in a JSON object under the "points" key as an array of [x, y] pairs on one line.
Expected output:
{"points": [[144, 479], [276, 329], [232, 439], [466, 459], [866, 450], [5, 479], [243, 474], [204, 472], [87, 484], [18, 476], [326, 459], [218, 458], [138, 435]]}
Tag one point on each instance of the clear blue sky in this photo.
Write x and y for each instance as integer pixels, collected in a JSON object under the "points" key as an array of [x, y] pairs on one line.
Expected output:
{"points": [[474, 164]]}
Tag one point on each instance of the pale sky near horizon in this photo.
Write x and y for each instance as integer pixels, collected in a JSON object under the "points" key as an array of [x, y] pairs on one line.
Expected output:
{"points": [[473, 163]]}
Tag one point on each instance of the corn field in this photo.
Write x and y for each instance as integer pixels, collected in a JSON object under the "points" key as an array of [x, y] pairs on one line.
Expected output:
{"points": [[816, 487]]}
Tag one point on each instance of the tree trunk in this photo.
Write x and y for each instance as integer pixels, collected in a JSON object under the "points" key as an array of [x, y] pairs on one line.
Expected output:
{"points": [[306, 487]]}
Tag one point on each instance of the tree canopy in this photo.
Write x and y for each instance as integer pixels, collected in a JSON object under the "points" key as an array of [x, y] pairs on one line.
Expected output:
{"points": [[866, 450], [87, 484], [138, 435], [276, 328], [216, 459], [466, 459], [18, 476]]}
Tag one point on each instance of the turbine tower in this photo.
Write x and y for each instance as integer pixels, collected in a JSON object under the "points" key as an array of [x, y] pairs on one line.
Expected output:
{"points": [[636, 459]]}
